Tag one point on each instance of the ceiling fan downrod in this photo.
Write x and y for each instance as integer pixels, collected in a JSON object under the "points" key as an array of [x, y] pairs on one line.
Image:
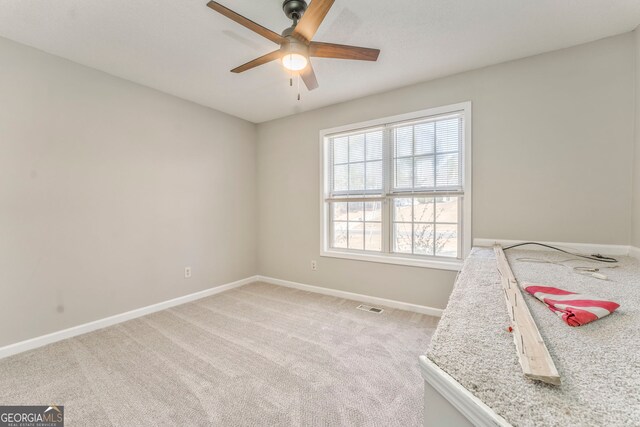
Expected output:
{"points": [[294, 9]]}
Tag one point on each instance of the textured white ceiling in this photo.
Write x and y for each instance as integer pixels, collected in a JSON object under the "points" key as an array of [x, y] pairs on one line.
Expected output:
{"points": [[183, 48]]}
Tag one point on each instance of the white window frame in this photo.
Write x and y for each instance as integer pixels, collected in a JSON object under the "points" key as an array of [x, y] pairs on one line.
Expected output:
{"points": [[394, 258]]}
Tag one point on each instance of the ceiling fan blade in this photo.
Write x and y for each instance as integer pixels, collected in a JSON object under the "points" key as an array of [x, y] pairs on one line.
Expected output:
{"points": [[276, 54], [309, 77], [341, 51], [256, 28], [311, 20]]}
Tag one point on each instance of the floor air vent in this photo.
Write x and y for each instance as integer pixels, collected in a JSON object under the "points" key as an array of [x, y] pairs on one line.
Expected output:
{"points": [[369, 308]]}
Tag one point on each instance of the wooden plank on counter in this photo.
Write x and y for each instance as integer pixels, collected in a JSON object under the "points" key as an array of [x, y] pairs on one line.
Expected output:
{"points": [[533, 354]]}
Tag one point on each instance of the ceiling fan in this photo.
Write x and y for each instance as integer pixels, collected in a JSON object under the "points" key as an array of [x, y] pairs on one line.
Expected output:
{"points": [[295, 42]]}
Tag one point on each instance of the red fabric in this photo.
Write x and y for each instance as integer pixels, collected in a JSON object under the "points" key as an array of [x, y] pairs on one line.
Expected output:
{"points": [[575, 309], [546, 289], [574, 316]]}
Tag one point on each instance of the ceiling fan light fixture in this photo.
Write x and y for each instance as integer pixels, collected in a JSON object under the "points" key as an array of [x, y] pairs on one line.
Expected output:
{"points": [[294, 61]]}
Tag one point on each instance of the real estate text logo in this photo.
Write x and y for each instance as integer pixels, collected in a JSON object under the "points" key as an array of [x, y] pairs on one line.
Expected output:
{"points": [[32, 416]]}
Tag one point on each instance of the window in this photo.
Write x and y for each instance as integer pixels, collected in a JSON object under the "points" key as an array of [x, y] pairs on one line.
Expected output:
{"points": [[398, 190]]}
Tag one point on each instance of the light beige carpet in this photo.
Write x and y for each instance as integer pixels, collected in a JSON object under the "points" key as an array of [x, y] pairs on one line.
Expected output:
{"points": [[259, 355]]}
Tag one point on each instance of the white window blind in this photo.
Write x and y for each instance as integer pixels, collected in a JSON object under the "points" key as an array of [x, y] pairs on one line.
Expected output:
{"points": [[357, 163], [427, 155]]}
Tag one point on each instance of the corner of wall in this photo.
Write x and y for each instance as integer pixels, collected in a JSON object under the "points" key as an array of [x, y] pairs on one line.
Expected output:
{"points": [[256, 215], [635, 215]]}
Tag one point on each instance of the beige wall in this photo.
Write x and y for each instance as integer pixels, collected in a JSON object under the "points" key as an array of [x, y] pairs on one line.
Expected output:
{"points": [[635, 241], [108, 190], [552, 160]]}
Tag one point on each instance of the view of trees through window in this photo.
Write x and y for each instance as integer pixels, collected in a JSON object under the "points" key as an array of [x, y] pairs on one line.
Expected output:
{"points": [[421, 225], [357, 225], [426, 226]]}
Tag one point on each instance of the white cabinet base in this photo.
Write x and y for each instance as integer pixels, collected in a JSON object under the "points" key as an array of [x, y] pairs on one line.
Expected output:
{"points": [[447, 403]]}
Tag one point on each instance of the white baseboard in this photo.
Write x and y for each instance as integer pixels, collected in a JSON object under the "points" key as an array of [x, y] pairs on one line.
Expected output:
{"points": [[353, 296], [634, 252], [588, 248], [474, 409], [43, 340]]}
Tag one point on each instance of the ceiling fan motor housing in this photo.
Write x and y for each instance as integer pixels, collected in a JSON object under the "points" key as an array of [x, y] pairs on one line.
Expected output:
{"points": [[294, 9], [293, 45]]}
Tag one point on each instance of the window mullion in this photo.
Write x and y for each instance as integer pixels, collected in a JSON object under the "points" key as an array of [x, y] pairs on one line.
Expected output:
{"points": [[413, 199], [387, 171]]}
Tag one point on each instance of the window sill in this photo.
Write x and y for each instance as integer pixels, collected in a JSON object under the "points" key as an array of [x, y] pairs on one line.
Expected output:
{"points": [[439, 264]]}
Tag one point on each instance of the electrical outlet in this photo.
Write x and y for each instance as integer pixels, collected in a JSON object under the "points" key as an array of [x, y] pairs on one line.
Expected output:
{"points": [[314, 265], [187, 272]]}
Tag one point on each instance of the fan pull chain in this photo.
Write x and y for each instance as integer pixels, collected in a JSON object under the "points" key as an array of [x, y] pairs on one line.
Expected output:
{"points": [[298, 87]]}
